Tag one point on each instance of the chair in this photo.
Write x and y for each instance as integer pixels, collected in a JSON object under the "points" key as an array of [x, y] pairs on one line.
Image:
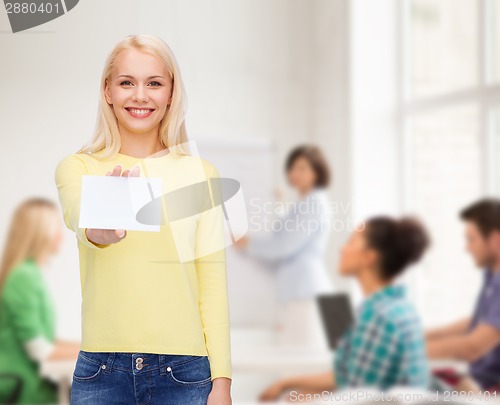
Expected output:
{"points": [[13, 396]]}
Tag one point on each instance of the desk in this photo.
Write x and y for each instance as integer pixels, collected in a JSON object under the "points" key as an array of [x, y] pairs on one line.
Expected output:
{"points": [[277, 359], [61, 372]]}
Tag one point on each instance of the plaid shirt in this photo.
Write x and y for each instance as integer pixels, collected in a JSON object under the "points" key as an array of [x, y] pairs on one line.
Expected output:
{"points": [[385, 347]]}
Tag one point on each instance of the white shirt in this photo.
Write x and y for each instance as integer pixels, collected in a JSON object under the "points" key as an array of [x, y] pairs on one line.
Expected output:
{"points": [[297, 248], [39, 348]]}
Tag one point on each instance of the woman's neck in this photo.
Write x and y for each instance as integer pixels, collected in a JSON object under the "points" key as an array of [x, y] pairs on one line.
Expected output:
{"points": [[140, 145], [370, 282], [305, 191]]}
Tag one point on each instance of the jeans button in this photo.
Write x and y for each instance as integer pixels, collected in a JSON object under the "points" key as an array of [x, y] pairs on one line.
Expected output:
{"points": [[138, 360], [139, 366]]}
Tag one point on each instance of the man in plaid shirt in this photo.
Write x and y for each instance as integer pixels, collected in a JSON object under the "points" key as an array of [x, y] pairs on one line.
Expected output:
{"points": [[385, 347]]}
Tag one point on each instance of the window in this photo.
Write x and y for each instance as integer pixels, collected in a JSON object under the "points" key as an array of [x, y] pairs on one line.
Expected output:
{"points": [[443, 36], [450, 121]]}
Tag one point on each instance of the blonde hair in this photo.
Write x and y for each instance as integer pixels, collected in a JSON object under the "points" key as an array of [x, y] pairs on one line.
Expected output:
{"points": [[172, 127], [31, 234]]}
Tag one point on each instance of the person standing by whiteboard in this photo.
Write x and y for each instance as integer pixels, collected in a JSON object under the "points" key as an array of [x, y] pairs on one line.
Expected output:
{"points": [[295, 248]]}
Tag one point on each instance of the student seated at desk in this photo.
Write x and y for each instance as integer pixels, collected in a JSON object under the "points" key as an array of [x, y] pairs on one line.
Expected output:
{"points": [[385, 346], [476, 339], [27, 316]]}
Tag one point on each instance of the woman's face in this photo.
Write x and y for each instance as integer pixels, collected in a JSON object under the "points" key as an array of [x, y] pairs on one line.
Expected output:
{"points": [[355, 255], [139, 91], [301, 175]]}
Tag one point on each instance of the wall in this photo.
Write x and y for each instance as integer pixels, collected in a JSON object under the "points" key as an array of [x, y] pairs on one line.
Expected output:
{"points": [[252, 68]]}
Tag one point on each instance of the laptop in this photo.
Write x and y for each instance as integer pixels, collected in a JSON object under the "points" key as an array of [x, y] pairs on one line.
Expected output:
{"points": [[336, 314]]}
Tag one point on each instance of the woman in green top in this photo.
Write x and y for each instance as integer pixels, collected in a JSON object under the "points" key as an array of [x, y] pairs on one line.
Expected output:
{"points": [[27, 315]]}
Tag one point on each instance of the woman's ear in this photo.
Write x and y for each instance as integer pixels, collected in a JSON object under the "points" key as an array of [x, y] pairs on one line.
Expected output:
{"points": [[370, 257], [107, 94], [169, 102]]}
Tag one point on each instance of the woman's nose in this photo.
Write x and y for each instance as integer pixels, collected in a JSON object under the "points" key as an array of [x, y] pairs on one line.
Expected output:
{"points": [[140, 94]]}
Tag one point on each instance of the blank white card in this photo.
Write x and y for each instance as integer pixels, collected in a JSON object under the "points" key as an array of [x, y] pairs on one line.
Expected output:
{"points": [[111, 202]]}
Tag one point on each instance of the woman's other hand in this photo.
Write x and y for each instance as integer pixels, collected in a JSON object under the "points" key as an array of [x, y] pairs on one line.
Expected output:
{"points": [[241, 243], [221, 392], [110, 236], [273, 392], [279, 195]]}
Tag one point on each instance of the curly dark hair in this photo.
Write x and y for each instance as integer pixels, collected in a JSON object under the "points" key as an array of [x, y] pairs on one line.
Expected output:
{"points": [[399, 242]]}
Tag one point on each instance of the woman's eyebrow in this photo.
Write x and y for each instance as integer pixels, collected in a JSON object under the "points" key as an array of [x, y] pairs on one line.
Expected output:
{"points": [[132, 77]]}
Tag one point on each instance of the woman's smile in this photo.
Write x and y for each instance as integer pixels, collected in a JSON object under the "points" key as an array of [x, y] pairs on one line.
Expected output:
{"points": [[139, 112]]}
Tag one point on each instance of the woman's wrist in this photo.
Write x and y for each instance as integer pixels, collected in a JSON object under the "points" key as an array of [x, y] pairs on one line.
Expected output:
{"points": [[221, 382]]}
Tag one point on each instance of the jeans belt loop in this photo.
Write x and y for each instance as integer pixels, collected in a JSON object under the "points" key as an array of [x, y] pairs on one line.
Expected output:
{"points": [[109, 362], [163, 366]]}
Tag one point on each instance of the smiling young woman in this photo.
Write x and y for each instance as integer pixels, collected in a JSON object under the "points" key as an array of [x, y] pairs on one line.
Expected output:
{"points": [[155, 329]]}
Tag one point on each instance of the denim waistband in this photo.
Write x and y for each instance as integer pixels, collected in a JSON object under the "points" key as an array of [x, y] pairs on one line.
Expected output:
{"points": [[129, 361]]}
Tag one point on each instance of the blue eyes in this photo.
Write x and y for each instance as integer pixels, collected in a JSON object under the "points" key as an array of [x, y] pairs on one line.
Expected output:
{"points": [[129, 83]]}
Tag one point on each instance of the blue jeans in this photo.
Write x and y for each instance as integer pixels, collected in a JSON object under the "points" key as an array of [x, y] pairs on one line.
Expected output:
{"points": [[140, 378]]}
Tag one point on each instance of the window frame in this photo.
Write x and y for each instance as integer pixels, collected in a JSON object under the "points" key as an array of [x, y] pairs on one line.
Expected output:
{"points": [[485, 95]]}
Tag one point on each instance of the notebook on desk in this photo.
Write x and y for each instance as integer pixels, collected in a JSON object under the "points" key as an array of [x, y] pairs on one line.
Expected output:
{"points": [[336, 314]]}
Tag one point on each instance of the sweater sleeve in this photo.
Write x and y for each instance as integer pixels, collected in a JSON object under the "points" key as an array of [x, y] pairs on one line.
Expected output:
{"points": [[68, 177], [212, 284]]}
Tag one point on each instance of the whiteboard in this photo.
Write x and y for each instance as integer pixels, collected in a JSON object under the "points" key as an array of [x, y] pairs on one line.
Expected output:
{"points": [[252, 295]]}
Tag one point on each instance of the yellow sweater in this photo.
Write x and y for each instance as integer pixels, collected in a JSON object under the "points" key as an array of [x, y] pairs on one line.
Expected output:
{"points": [[137, 295]]}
